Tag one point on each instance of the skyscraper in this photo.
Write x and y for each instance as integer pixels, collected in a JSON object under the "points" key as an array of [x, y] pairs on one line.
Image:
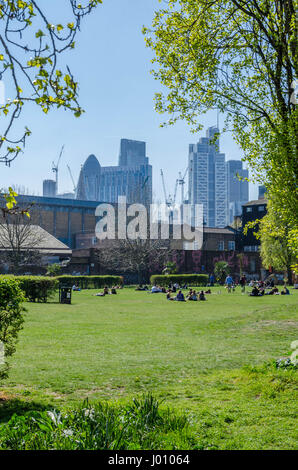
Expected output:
{"points": [[237, 188], [131, 178], [207, 179]]}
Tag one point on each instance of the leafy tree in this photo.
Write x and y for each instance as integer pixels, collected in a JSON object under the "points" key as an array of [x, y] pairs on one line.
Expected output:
{"points": [[11, 319], [53, 269], [31, 45], [240, 57], [221, 270], [274, 234], [170, 268]]}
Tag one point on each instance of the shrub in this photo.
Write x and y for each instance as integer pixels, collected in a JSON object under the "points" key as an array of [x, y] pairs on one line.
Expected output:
{"points": [[11, 318], [221, 270], [189, 279], [90, 282], [37, 288], [100, 426]]}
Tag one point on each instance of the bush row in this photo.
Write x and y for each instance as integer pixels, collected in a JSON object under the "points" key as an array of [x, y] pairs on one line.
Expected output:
{"points": [[181, 279], [36, 288], [90, 282], [41, 288]]}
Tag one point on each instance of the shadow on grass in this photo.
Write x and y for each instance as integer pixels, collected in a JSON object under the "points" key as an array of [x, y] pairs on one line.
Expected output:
{"points": [[11, 406]]}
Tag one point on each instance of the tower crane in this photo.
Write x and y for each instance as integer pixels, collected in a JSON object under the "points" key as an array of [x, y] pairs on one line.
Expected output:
{"points": [[168, 199], [72, 179], [181, 182], [55, 168]]}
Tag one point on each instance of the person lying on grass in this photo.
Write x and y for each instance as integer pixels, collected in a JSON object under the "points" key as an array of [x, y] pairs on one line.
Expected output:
{"points": [[105, 292]]}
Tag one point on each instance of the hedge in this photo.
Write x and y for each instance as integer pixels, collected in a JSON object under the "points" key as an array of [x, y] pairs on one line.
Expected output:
{"points": [[90, 282], [181, 279], [36, 288]]}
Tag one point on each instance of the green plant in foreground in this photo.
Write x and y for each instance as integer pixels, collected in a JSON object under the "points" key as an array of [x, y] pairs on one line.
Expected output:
{"points": [[138, 425], [11, 318]]}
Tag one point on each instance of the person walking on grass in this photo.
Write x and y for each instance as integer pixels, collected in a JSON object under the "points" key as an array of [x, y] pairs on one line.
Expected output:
{"points": [[229, 282], [242, 283]]}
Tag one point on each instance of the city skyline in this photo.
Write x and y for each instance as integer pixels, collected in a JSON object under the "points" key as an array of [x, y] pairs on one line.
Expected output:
{"points": [[116, 104]]}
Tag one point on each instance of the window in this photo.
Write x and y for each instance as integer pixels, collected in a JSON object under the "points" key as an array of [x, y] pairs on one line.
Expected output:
{"points": [[251, 248], [231, 245], [221, 245], [261, 208], [249, 209]]}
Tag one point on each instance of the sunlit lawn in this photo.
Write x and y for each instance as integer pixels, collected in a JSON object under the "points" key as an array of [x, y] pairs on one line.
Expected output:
{"points": [[198, 356]]}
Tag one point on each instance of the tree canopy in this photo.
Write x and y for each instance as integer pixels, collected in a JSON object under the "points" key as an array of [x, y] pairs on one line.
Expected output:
{"points": [[241, 58], [30, 47]]}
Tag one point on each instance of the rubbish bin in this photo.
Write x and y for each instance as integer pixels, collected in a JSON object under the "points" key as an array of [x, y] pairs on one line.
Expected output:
{"points": [[65, 295]]}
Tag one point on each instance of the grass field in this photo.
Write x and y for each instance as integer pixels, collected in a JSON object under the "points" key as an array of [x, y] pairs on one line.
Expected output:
{"points": [[205, 358]]}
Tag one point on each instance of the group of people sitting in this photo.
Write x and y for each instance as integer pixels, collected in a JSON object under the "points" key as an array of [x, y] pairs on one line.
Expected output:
{"points": [[192, 295], [259, 291], [106, 291], [171, 287]]}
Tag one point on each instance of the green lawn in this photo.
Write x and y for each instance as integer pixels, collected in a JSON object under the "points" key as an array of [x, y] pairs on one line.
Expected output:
{"points": [[206, 358]]}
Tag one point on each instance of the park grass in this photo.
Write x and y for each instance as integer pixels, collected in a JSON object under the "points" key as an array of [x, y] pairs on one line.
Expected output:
{"points": [[208, 359]]}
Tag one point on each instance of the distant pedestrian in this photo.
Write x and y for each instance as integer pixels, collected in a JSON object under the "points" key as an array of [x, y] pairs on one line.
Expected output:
{"points": [[242, 283], [229, 282]]}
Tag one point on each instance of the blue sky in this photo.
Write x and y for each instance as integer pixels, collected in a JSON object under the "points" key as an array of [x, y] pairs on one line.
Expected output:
{"points": [[112, 66]]}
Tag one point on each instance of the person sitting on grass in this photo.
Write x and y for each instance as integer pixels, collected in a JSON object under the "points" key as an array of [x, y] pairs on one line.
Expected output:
{"points": [[180, 297], [113, 290], [208, 291], [169, 295], [255, 292], [285, 291], [194, 296], [76, 288], [156, 289], [189, 294], [105, 292], [261, 291], [202, 295]]}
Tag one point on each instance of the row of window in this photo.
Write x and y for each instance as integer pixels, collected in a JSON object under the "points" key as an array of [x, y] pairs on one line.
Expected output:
{"points": [[251, 248], [260, 209], [231, 245]]}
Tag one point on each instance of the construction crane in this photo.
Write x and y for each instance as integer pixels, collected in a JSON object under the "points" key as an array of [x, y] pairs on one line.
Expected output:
{"points": [[73, 182], [55, 168], [181, 182], [168, 199]]}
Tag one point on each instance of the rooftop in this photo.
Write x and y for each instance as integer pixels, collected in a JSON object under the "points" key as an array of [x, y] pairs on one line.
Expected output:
{"points": [[33, 237], [256, 202]]}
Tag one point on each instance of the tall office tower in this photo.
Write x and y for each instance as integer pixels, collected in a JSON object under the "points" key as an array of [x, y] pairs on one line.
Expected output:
{"points": [[237, 188], [132, 153], [131, 178], [207, 179], [49, 188], [88, 184]]}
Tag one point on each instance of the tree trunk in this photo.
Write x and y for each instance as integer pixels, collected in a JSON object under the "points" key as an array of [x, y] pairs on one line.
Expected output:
{"points": [[290, 275]]}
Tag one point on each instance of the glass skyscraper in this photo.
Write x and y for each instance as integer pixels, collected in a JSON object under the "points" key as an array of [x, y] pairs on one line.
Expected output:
{"points": [[208, 179], [131, 178], [237, 188]]}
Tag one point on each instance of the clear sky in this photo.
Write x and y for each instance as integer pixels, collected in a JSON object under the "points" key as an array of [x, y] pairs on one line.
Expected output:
{"points": [[112, 66]]}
